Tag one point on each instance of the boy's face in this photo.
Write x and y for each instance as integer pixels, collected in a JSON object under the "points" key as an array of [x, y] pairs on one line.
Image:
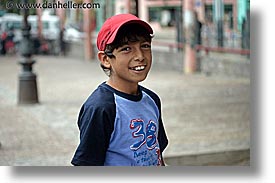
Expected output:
{"points": [[131, 63]]}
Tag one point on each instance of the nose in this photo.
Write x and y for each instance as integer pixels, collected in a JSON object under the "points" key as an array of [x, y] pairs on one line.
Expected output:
{"points": [[138, 54]]}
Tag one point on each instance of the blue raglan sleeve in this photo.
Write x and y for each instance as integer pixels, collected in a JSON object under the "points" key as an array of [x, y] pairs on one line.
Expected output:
{"points": [[95, 123]]}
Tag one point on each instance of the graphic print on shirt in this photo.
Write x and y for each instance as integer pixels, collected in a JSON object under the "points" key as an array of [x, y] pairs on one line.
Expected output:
{"points": [[145, 135]]}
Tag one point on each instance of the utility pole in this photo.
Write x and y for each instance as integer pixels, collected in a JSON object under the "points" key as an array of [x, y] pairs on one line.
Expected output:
{"points": [[87, 18], [189, 25], [142, 10], [61, 14], [39, 20]]}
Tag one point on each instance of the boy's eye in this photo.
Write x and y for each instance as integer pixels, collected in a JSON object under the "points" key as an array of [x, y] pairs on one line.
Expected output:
{"points": [[146, 45], [125, 49]]}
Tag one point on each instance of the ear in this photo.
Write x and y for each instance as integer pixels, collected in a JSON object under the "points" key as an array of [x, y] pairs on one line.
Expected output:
{"points": [[104, 59]]}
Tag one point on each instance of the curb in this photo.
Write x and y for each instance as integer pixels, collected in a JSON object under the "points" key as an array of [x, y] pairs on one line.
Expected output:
{"points": [[225, 158]]}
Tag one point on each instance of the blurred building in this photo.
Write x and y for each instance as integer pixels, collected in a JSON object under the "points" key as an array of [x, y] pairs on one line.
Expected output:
{"points": [[160, 13], [164, 12]]}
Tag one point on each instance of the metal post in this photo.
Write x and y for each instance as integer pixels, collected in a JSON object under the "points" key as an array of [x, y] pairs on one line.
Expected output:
{"points": [[27, 79], [220, 32], [219, 13], [179, 26]]}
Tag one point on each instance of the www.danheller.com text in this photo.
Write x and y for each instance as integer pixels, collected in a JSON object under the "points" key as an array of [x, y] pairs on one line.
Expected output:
{"points": [[50, 5]]}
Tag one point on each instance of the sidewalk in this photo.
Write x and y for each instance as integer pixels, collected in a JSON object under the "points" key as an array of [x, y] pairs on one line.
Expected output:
{"points": [[202, 115]]}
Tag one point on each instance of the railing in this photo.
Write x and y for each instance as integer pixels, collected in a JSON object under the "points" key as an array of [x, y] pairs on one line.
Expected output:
{"points": [[207, 49]]}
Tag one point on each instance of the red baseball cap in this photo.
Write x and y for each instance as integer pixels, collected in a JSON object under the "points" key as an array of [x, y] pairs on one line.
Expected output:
{"points": [[111, 26]]}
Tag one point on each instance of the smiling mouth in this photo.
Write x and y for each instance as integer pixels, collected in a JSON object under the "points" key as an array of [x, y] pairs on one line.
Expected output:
{"points": [[138, 68]]}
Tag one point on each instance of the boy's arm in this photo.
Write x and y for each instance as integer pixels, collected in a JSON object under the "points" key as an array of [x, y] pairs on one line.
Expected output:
{"points": [[162, 138], [163, 141], [96, 126], [162, 161]]}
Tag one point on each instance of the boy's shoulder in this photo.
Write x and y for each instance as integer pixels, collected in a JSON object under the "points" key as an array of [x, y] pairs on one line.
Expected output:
{"points": [[151, 93], [148, 91], [100, 97]]}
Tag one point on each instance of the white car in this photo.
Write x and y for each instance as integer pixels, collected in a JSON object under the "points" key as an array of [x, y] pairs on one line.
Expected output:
{"points": [[14, 21], [71, 34], [50, 27]]}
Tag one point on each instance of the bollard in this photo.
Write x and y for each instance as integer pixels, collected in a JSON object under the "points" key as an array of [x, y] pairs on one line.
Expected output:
{"points": [[27, 83]]}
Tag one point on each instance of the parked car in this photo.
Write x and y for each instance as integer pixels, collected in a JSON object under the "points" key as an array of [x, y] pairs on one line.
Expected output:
{"points": [[10, 32], [50, 30], [12, 22], [73, 34]]}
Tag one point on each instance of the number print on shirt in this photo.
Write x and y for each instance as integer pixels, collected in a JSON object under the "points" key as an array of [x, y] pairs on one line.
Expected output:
{"points": [[139, 124], [151, 136], [148, 135]]}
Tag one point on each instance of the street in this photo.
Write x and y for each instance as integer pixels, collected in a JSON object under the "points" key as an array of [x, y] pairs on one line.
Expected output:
{"points": [[202, 114]]}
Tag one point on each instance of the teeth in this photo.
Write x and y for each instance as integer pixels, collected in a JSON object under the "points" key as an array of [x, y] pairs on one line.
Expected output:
{"points": [[139, 68]]}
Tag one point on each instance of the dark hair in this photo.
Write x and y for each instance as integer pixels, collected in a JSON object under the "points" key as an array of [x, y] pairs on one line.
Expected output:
{"points": [[127, 33]]}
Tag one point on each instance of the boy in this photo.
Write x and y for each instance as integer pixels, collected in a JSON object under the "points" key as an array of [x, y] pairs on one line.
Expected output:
{"points": [[120, 123]]}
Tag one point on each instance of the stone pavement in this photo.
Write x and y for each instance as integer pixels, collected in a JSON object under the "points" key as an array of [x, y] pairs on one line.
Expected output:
{"points": [[203, 115]]}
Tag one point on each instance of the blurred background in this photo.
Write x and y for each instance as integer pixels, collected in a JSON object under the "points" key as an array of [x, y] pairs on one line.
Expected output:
{"points": [[201, 71], [223, 23]]}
